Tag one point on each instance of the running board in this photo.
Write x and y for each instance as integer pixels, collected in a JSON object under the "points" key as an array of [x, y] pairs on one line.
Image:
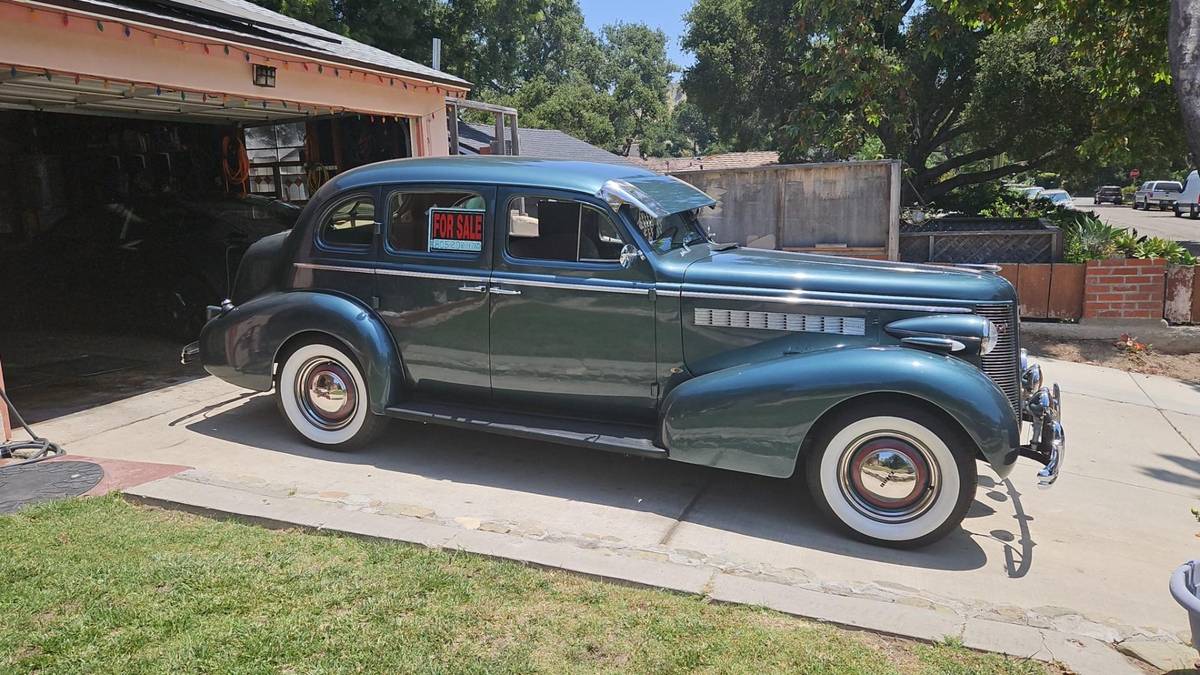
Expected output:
{"points": [[631, 440]]}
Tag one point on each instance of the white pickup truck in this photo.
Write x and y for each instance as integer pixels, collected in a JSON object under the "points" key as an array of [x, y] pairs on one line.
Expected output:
{"points": [[1163, 193]]}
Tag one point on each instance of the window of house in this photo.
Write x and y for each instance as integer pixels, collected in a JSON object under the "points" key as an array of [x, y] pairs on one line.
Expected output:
{"points": [[440, 222], [276, 166], [541, 228], [350, 223]]}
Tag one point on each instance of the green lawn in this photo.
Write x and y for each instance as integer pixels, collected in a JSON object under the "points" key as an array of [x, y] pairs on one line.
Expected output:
{"points": [[101, 585]]}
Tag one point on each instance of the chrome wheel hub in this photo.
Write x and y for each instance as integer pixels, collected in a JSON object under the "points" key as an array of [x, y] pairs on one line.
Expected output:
{"points": [[326, 393], [889, 477]]}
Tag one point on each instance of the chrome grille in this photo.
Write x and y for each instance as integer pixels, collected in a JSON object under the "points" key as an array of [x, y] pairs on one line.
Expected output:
{"points": [[1001, 363], [806, 323]]}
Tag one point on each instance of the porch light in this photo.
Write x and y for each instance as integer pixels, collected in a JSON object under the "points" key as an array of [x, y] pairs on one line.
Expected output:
{"points": [[264, 76]]}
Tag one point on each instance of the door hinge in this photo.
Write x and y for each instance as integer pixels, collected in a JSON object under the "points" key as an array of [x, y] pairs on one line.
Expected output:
{"points": [[654, 390], [374, 302]]}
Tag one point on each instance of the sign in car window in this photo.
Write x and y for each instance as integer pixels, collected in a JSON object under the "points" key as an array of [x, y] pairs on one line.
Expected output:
{"points": [[455, 230]]}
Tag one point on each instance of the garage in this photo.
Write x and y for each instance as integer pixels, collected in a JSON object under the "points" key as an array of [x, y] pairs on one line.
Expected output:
{"points": [[143, 146]]}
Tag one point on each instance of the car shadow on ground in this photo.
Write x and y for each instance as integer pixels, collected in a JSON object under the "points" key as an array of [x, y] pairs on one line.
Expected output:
{"points": [[771, 509]]}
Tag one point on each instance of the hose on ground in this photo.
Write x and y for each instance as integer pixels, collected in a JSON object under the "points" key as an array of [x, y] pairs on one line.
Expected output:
{"points": [[43, 448]]}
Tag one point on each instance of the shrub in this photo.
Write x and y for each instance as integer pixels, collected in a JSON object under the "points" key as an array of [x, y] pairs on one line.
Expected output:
{"points": [[1127, 193]]}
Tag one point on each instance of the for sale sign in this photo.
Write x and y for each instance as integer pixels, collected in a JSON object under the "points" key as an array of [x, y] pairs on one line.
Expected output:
{"points": [[456, 230]]}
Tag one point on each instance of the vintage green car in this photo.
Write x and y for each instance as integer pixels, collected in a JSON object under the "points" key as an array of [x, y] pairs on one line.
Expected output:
{"points": [[584, 304]]}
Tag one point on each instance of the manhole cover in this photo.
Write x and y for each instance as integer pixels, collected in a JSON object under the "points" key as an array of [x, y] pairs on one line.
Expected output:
{"points": [[44, 482]]}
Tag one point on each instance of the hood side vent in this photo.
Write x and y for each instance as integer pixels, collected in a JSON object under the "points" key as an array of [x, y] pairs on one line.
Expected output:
{"points": [[803, 323]]}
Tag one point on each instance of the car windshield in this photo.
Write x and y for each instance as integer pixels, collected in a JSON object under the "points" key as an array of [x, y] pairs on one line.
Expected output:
{"points": [[670, 232], [1056, 196]]}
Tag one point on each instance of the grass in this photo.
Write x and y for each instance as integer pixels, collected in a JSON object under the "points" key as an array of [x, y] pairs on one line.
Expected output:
{"points": [[102, 585]]}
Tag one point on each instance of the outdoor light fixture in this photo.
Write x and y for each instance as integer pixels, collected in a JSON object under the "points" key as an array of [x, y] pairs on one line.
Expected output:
{"points": [[264, 76]]}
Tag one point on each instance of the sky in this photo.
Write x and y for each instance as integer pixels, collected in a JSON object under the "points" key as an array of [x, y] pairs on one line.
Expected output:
{"points": [[666, 15]]}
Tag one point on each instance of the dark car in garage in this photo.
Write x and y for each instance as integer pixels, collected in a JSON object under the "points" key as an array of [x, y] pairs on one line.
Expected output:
{"points": [[151, 262]]}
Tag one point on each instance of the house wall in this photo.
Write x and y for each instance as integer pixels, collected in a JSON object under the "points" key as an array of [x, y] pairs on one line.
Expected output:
{"points": [[40, 40], [852, 208]]}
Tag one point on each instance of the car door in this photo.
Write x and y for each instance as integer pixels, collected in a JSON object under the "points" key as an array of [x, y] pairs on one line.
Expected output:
{"points": [[572, 328], [431, 283]]}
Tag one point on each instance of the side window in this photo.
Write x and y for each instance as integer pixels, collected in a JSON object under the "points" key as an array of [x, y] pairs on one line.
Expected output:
{"points": [[350, 223], [422, 221], [542, 228]]}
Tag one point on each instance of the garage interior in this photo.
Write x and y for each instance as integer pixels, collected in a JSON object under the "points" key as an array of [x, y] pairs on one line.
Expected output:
{"points": [[125, 206]]}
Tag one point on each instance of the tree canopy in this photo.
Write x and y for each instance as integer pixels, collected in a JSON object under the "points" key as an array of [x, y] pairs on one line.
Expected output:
{"points": [[838, 79]]}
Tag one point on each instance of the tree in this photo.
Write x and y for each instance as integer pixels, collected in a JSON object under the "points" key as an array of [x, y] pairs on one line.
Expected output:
{"points": [[1183, 39], [637, 75], [1133, 48], [838, 79]]}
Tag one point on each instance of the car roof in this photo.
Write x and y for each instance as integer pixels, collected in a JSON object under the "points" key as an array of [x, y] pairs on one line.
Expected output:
{"points": [[1055, 191], [553, 174]]}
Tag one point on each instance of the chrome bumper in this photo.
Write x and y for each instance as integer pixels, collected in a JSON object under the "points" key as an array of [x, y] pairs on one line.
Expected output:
{"points": [[1042, 407]]}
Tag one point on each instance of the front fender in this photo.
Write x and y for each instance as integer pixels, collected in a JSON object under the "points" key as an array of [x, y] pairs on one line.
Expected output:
{"points": [[241, 345], [755, 418]]}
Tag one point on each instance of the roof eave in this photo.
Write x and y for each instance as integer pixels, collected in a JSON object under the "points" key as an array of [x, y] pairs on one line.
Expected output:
{"points": [[241, 38]]}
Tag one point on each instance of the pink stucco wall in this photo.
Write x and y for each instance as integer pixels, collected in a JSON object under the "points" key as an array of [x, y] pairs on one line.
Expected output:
{"points": [[40, 40]]}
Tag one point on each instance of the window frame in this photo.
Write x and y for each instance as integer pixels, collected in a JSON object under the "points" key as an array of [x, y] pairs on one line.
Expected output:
{"points": [[319, 242], [389, 191], [583, 202]]}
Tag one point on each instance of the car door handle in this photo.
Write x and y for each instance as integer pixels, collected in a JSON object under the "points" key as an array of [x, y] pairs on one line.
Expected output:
{"points": [[500, 290], [481, 288]]}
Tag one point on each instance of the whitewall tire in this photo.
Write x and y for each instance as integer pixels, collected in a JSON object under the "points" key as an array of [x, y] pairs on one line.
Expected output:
{"points": [[322, 393], [892, 474]]}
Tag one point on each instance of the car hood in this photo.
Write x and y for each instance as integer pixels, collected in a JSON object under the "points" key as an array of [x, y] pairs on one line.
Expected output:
{"points": [[759, 270]]}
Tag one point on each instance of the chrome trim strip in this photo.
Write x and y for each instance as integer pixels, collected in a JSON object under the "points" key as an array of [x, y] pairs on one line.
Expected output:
{"points": [[431, 275], [334, 268], [802, 300], [508, 281], [486, 279]]}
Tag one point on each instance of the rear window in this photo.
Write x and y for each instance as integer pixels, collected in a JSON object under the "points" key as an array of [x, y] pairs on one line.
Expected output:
{"points": [[1171, 185], [350, 224]]}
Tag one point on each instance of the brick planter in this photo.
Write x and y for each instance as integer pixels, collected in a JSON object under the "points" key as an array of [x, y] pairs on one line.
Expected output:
{"points": [[1120, 288]]}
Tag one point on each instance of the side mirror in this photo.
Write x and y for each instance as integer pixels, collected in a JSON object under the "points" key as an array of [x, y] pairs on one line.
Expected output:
{"points": [[629, 253]]}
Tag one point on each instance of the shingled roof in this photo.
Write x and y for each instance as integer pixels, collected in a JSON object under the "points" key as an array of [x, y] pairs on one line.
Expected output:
{"points": [[728, 160], [247, 23], [545, 143]]}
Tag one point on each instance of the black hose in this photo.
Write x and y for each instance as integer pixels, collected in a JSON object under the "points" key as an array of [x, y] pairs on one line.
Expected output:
{"points": [[45, 448]]}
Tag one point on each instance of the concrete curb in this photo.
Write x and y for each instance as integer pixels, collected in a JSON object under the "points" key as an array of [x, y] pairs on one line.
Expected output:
{"points": [[1080, 654], [1162, 336]]}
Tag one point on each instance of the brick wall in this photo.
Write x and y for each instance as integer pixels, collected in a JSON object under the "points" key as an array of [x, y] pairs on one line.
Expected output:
{"points": [[1124, 289]]}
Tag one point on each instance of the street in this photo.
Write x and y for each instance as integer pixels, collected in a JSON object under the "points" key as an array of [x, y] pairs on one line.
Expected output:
{"points": [[1154, 223]]}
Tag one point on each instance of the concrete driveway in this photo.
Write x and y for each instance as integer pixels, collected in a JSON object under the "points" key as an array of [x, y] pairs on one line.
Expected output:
{"points": [[1154, 222], [1090, 557]]}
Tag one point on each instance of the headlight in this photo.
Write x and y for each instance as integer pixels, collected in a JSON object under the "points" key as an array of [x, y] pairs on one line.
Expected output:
{"points": [[993, 337]]}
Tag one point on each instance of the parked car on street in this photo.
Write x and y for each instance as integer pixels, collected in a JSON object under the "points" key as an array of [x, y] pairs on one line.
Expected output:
{"points": [[1060, 198], [1108, 193], [1162, 193], [584, 304], [1029, 192], [1189, 200]]}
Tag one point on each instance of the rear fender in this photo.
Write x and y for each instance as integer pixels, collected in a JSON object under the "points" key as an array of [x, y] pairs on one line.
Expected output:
{"points": [[755, 418], [242, 345]]}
